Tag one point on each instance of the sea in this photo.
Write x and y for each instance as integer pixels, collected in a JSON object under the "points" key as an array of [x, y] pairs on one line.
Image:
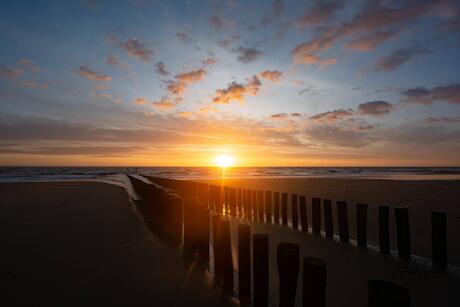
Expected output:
{"points": [[117, 175]]}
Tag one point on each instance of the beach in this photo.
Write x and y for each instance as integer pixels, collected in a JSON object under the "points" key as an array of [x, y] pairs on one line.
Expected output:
{"points": [[82, 244]]}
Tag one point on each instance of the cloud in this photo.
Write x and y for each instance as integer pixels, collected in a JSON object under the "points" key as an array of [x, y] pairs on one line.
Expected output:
{"points": [[136, 49], [246, 55], [375, 108], [102, 87], [398, 57], [279, 116], [109, 97], [216, 22], [338, 136], [443, 119], [112, 60], [275, 12], [178, 86], [161, 69], [272, 75], [309, 59], [332, 116], [422, 95], [10, 73], [226, 43], [140, 101], [364, 128], [183, 37], [370, 42], [209, 61], [237, 91], [34, 84], [185, 114], [29, 64], [320, 13], [296, 114], [87, 73], [164, 104], [208, 109]]}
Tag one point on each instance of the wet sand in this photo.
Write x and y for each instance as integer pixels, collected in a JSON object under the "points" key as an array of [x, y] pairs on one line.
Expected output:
{"points": [[80, 244]]}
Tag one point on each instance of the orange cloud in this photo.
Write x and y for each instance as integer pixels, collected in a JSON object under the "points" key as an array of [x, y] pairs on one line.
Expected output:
{"points": [[136, 49], [10, 73], [29, 65], [178, 86], [34, 84], [164, 104], [92, 75], [272, 75], [332, 116], [309, 59], [140, 101], [237, 92]]}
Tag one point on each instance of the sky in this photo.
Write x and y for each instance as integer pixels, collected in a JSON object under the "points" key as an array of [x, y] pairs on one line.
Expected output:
{"points": [[272, 83]]}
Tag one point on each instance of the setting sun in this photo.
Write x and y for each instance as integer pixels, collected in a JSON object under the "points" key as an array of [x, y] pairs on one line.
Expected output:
{"points": [[225, 161]]}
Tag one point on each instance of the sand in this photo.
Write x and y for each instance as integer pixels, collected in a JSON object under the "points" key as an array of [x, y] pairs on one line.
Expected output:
{"points": [[421, 196], [81, 244]]}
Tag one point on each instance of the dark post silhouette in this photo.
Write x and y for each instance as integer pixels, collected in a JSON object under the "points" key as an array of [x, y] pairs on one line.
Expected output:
{"points": [[439, 239], [276, 209], [403, 232], [260, 269], [314, 282], [254, 206], [190, 221], [226, 254], [383, 293], [316, 215], [303, 213], [260, 206], [216, 240], [203, 233], [284, 208], [232, 201], [244, 262], [294, 212], [226, 200], [328, 223], [211, 197], [218, 199], [243, 204], [239, 202], [288, 272], [361, 224], [342, 216], [268, 207], [384, 229]]}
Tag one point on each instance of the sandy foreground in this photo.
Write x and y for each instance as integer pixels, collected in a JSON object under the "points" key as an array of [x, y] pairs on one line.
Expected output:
{"points": [[81, 244]]}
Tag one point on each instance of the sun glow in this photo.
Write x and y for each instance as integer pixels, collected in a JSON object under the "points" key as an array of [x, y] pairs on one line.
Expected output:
{"points": [[225, 161]]}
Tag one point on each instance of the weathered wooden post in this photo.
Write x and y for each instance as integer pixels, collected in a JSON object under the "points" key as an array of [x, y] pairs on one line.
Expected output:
{"points": [[244, 262], [342, 216], [226, 254], [268, 207], [383, 293], [384, 229], [403, 232], [260, 206], [232, 201], [218, 200], [288, 272], [254, 206], [239, 202], [190, 223], [260, 269], [211, 194], [284, 208], [216, 240], [439, 239], [314, 282], [328, 222], [276, 205], [226, 200], [303, 213], [316, 215], [361, 224], [294, 212], [203, 233]]}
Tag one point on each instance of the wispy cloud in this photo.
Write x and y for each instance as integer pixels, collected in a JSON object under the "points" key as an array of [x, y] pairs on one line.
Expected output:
{"points": [[272, 75], [246, 55], [161, 69], [398, 57], [29, 64], [319, 13], [135, 48], [422, 95], [275, 12], [332, 116], [376, 108], [178, 86], [237, 91], [88, 73], [164, 104], [10, 73]]}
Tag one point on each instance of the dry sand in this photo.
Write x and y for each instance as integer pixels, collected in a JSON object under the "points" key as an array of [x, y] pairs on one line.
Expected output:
{"points": [[80, 244]]}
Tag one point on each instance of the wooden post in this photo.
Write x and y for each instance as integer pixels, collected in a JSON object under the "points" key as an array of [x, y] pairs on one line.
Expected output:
{"points": [[383, 293], [260, 269], [276, 204], [190, 223], [216, 240], [288, 271], [328, 223], [243, 204], [226, 200], [226, 254], [239, 202], [231, 201], [439, 239], [211, 197], [244, 262], [254, 206], [403, 232], [218, 200], [284, 208], [316, 215], [268, 207], [203, 233], [294, 212], [314, 282], [384, 229], [260, 206], [361, 224], [342, 216], [303, 213]]}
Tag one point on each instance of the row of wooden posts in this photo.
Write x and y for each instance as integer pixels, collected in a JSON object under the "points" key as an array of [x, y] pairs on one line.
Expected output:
{"points": [[198, 224], [272, 208]]}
